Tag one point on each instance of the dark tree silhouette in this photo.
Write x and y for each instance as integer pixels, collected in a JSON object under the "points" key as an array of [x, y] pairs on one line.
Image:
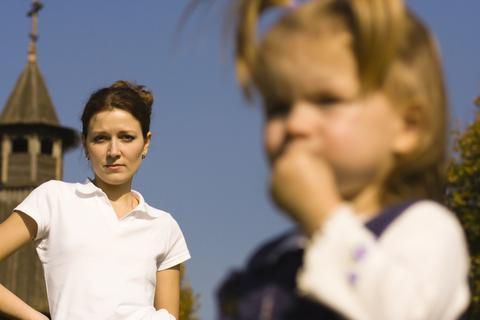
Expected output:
{"points": [[188, 299], [463, 197]]}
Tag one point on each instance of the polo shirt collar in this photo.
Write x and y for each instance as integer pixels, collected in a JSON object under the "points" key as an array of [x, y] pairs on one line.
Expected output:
{"points": [[89, 188]]}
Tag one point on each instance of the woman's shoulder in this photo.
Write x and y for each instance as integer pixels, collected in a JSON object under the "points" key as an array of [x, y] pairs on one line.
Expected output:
{"points": [[55, 186], [161, 217], [158, 213], [62, 190]]}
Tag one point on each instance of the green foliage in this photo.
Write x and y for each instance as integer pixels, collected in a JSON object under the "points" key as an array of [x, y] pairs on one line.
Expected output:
{"points": [[463, 197], [188, 299]]}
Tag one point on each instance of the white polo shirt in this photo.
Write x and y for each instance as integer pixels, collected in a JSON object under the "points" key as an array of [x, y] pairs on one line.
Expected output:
{"points": [[97, 266]]}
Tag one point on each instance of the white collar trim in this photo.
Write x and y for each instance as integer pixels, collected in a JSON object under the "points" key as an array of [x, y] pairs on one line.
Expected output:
{"points": [[89, 188]]}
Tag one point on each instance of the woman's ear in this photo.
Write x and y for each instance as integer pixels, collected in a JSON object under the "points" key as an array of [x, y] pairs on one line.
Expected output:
{"points": [[410, 130], [84, 145], [148, 139]]}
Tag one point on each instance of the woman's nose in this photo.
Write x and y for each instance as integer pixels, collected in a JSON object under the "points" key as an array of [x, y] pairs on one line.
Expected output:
{"points": [[113, 148]]}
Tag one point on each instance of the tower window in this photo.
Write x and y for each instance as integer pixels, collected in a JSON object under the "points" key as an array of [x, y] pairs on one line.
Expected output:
{"points": [[47, 146], [20, 145]]}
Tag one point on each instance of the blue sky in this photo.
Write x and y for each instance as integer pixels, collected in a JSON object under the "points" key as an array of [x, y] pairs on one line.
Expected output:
{"points": [[206, 164]]}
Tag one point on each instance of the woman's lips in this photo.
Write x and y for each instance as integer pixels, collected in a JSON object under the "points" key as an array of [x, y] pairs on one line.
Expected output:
{"points": [[114, 166]]}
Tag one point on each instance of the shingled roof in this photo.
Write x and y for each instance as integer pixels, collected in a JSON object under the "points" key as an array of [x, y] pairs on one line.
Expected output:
{"points": [[30, 101]]}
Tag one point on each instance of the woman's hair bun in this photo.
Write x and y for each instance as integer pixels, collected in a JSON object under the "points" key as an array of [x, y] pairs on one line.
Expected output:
{"points": [[145, 94]]}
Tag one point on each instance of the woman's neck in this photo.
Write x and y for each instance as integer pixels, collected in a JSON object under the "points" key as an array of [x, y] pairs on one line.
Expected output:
{"points": [[114, 192], [121, 197]]}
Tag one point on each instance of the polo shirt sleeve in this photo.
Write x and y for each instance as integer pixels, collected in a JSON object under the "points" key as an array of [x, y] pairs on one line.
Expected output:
{"points": [[176, 250], [38, 205], [417, 269]]}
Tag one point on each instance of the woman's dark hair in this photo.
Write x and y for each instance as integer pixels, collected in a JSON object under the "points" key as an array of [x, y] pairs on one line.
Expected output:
{"points": [[123, 95]]}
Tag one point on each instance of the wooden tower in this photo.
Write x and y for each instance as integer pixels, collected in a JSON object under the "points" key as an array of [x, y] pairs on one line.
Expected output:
{"points": [[32, 144]]}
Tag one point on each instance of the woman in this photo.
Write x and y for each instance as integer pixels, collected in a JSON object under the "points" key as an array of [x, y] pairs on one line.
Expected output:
{"points": [[106, 253]]}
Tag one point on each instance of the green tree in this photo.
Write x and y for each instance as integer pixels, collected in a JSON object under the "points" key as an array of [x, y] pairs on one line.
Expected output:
{"points": [[188, 299], [463, 197]]}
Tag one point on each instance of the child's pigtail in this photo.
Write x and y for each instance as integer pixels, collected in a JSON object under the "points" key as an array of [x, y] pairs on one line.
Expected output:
{"points": [[249, 13], [381, 26]]}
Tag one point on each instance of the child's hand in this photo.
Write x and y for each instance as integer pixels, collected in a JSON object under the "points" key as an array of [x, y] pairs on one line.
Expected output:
{"points": [[304, 186]]}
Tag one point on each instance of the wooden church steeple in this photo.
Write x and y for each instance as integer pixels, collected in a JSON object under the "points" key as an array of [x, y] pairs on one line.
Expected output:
{"points": [[32, 139], [32, 144]]}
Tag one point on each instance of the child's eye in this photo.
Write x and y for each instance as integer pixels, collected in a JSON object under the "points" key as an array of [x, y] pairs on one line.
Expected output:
{"points": [[274, 110], [326, 100]]}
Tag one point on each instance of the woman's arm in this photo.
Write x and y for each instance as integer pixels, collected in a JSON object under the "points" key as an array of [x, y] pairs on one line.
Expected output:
{"points": [[167, 291], [16, 231]]}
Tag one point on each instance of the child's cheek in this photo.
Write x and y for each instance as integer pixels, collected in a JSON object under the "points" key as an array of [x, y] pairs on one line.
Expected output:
{"points": [[273, 136], [340, 140]]}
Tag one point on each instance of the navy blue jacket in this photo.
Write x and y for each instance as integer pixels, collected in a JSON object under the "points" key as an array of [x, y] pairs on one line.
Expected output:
{"points": [[266, 289]]}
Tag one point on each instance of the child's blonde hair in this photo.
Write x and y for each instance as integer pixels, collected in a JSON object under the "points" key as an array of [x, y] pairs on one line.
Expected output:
{"points": [[394, 53]]}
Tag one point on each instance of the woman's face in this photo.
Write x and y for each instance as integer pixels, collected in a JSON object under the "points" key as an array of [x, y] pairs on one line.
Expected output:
{"points": [[115, 145]]}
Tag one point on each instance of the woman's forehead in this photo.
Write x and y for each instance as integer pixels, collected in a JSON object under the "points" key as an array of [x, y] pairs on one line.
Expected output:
{"points": [[114, 117]]}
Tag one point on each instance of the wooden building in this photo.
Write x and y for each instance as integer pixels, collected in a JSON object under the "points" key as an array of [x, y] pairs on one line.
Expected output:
{"points": [[32, 144]]}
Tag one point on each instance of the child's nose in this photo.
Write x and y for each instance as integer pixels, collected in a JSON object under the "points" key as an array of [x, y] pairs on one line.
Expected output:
{"points": [[302, 119]]}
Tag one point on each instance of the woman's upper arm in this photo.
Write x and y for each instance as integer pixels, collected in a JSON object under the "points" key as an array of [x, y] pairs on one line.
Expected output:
{"points": [[167, 290], [15, 231]]}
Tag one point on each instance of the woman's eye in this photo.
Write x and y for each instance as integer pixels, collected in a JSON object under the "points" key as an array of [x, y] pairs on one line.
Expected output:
{"points": [[127, 138], [98, 139]]}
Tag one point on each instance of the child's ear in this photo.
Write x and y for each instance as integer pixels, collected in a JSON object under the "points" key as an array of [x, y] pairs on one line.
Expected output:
{"points": [[410, 130]]}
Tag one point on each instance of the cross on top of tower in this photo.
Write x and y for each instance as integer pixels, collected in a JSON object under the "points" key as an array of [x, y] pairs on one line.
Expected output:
{"points": [[33, 14], [29, 108]]}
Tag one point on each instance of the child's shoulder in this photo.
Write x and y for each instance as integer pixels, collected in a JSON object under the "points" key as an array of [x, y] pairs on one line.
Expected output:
{"points": [[428, 217], [428, 209], [274, 249]]}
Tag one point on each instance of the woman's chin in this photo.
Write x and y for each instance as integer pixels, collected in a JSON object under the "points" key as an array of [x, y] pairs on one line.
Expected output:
{"points": [[113, 180]]}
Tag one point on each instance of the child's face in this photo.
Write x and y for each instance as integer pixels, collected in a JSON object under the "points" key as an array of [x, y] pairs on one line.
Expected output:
{"points": [[320, 106]]}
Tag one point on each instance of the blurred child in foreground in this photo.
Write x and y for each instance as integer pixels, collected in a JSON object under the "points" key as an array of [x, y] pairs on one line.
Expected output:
{"points": [[355, 133]]}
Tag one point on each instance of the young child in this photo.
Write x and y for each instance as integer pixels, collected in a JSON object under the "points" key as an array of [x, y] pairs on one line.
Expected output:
{"points": [[355, 132]]}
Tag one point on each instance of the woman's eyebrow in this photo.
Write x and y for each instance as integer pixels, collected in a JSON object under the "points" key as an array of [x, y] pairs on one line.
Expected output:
{"points": [[99, 132]]}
